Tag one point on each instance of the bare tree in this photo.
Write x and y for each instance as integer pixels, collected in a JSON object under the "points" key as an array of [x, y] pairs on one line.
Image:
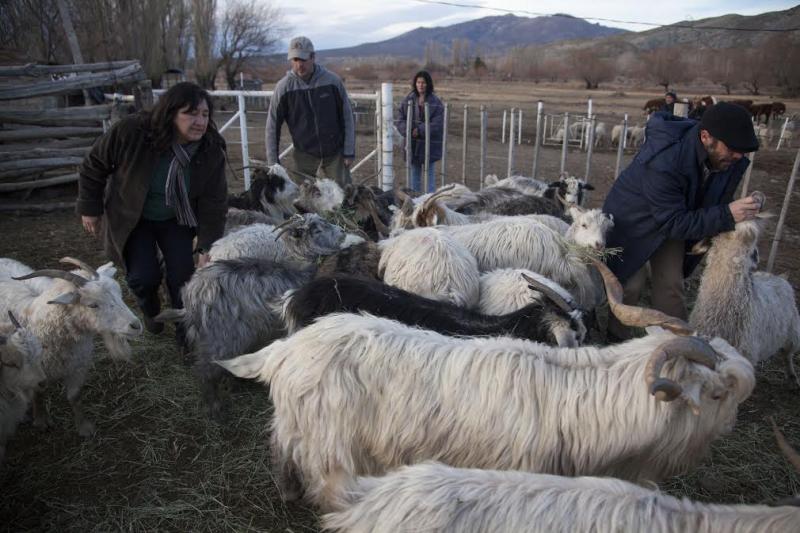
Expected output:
{"points": [[434, 55], [205, 66], [722, 67], [31, 29], [755, 71], [664, 66], [247, 28], [592, 69]]}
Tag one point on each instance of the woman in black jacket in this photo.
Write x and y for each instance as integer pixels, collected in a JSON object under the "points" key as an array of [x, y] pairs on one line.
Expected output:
{"points": [[155, 181]]}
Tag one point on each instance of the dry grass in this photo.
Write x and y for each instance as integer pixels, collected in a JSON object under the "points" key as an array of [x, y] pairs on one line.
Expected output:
{"points": [[157, 462]]}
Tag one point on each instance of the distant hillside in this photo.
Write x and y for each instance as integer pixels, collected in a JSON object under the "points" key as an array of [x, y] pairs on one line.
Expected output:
{"points": [[492, 35], [704, 34]]}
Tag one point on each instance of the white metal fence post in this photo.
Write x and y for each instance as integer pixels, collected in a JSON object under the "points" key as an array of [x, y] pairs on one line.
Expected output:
{"points": [[409, 127], [784, 210], [245, 145], [746, 182], [511, 144], [519, 126], [783, 132], [483, 145], [503, 135], [464, 146], [427, 163], [444, 141], [621, 145], [564, 143], [387, 181], [538, 140]]}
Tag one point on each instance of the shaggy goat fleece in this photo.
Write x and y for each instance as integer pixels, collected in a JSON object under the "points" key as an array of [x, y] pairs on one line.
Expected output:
{"points": [[754, 311], [427, 262], [21, 373], [435, 497], [66, 318], [360, 395], [529, 245]]}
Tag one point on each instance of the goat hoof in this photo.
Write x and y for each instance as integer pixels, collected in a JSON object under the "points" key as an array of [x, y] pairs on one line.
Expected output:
{"points": [[86, 428]]}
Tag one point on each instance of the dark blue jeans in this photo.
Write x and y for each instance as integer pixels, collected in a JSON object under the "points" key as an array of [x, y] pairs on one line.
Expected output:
{"points": [[143, 267]]}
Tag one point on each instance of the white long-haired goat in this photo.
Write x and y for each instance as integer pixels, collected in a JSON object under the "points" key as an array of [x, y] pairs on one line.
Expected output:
{"points": [[754, 311], [436, 497], [361, 395]]}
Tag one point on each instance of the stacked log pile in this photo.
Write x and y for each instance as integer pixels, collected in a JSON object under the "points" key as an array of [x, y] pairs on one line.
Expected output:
{"points": [[41, 145]]}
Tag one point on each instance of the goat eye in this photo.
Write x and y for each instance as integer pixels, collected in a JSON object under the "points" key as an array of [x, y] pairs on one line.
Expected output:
{"points": [[93, 306], [584, 226]]}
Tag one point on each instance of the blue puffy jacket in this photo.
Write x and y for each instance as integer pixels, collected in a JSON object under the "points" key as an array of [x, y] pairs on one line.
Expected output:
{"points": [[661, 195], [436, 117]]}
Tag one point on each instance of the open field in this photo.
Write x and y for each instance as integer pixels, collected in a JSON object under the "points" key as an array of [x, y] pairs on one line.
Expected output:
{"points": [[157, 463]]}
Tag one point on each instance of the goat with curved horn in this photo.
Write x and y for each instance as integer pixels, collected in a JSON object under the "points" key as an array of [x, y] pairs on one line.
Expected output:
{"points": [[690, 348], [82, 265], [75, 279], [631, 315], [568, 306], [287, 225]]}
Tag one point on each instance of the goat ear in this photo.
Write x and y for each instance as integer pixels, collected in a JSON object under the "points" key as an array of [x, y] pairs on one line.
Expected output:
{"points": [[2, 340], [554, 184], [108, 270], [588, 186], [408, 207], [701, 247], [246, 366], [68, 298]]}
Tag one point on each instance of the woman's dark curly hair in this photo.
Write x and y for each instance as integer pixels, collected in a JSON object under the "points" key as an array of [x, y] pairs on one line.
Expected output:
{"points": [[162, 117], [428, 82]]}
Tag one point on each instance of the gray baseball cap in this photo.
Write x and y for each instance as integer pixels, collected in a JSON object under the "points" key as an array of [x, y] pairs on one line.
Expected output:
{"points": [[300, 48]]}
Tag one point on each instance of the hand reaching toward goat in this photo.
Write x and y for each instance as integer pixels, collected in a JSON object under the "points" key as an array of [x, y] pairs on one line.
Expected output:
{"points": [[744, 208]]}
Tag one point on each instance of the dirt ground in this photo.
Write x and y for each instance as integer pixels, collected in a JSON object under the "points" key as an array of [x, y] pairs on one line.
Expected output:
{"points": [[157, 463]]}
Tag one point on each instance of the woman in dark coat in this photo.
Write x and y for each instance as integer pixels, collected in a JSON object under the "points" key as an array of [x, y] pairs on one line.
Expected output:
{"points": [[153, 182], [422, 93]]}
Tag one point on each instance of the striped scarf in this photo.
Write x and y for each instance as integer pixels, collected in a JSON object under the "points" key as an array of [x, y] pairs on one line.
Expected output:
{"points": [[176, 191]]}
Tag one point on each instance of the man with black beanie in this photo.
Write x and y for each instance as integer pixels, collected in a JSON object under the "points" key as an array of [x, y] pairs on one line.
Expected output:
{"points": [[677, 190]]}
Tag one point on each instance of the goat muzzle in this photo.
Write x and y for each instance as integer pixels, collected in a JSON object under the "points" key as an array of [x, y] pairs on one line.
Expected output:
{"points": [[692, 349]]}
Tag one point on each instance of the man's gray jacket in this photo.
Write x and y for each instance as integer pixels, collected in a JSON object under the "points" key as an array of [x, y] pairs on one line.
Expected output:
{"points": [[318, 114]]}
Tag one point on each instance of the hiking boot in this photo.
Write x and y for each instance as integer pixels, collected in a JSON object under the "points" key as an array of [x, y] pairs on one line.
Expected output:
{"points": [[152, 326]]}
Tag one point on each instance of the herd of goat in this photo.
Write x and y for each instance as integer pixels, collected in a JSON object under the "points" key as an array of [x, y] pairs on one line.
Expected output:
{"points": [[425, 355]]}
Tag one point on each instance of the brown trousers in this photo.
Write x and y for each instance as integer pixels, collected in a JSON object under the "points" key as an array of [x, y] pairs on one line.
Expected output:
{"points": [[666, 279], [333, 166]]}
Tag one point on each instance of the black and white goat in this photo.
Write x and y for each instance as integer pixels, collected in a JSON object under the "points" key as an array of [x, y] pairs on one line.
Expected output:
{"points": [[271, 191], [557, 321]]}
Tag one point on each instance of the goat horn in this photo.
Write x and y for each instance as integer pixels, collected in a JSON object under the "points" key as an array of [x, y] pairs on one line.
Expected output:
{"points": [[790, 453], [379, 225], [80, 264], [287, 225], [565, 305], [437, 194], [14, 320], [75, 279], [690, 348], [631, 315], [760, 197]]}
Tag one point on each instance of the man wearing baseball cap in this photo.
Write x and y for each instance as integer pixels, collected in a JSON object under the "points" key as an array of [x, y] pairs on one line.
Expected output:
{"points": [[314, 104], [677, 190]]}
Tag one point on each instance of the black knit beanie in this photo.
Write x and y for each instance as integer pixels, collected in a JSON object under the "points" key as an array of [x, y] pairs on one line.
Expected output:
{"points": [[732, 125]]}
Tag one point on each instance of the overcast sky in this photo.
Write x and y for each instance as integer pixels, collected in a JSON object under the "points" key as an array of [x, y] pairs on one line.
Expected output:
{"points": [[340, 23]]}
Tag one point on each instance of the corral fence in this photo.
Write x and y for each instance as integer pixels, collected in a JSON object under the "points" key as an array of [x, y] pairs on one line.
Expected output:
{"points": [[576, 131]]}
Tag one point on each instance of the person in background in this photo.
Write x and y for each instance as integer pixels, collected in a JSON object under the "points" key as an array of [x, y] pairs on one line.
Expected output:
{"points": [[155, 181], [669, 102], [421, 94], [314, 104], [678, 190]]}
